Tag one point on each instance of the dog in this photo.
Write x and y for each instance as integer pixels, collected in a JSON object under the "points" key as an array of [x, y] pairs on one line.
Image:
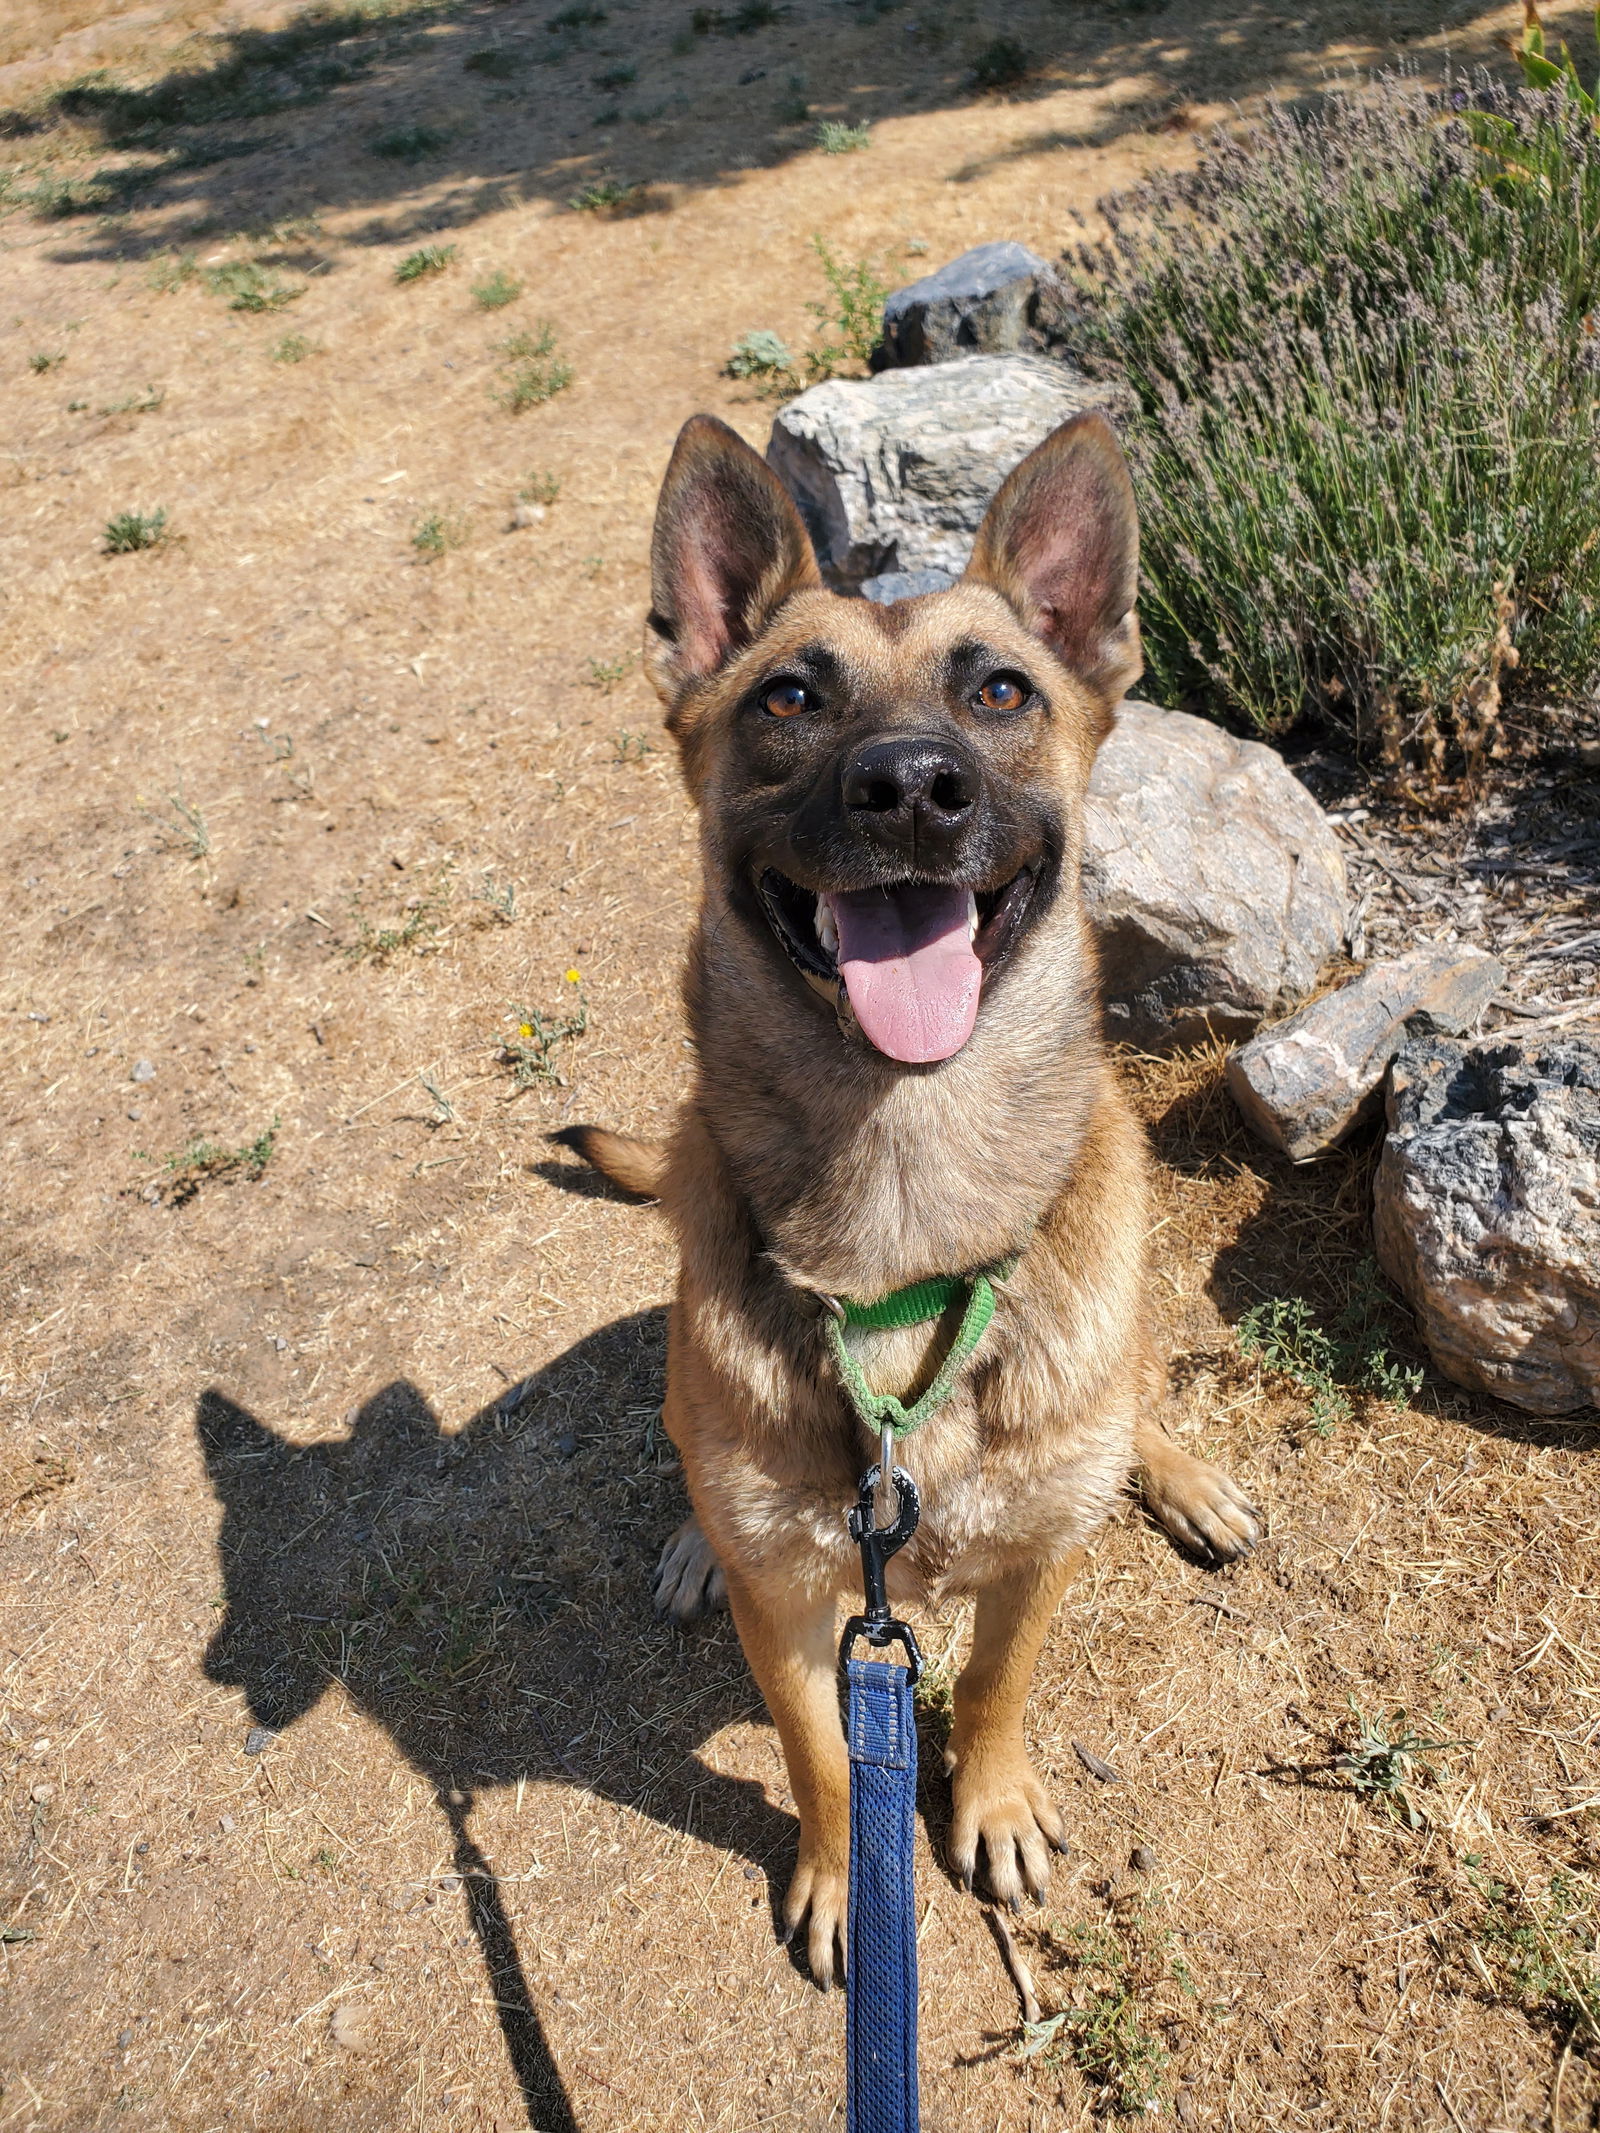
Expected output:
{"points": [[900, 1074]]}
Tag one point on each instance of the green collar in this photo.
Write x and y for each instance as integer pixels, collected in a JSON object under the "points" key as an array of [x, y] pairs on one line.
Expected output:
{"points": [[918, 1304]]}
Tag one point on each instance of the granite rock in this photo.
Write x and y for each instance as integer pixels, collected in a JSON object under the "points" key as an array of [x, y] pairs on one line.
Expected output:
{"points": [[1487, 1213], [983, 303], [1215, 884], [894, 473], [1304, 1083]]}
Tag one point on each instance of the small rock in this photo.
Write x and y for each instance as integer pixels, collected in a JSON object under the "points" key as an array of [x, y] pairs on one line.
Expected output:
{"points": [[892, 585], [226, 1824], [525, 514], [895, 472], [980, 304], [1304, 1083], [1487, 1213], [143, 1070], [135, 1115], [1142, 1859], [1215, 884], [258, 1740], [566, 1446], [42, 1793]]}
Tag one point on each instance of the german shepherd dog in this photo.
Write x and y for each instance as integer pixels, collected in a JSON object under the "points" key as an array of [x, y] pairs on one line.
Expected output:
{"points": [[900, 1075]]}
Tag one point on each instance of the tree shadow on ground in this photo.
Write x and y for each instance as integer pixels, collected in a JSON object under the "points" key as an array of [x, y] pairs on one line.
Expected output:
{"points": [[431, 113], [484, 1597]]}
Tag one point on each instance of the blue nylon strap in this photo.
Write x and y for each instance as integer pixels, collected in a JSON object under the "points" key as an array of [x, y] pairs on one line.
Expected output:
{"points": [[881, 1959]]}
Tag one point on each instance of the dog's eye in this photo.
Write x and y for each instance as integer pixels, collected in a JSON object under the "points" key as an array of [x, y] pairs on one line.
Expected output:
{"points": [[1004, 692], [784, 699]]}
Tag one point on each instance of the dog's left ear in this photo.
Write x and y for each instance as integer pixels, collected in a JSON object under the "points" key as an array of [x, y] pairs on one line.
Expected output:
{"points": [[729, 545], [1061, 542]]}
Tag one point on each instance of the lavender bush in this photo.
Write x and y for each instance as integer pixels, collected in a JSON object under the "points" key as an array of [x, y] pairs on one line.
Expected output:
{"points": [[1365, 348]]}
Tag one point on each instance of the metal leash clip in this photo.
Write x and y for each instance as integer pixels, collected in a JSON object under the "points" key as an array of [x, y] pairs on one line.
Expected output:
{"points": [[877, 1543]]}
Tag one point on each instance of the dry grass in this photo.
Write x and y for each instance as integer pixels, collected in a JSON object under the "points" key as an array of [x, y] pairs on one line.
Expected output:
{"points": [[347, 1778]]}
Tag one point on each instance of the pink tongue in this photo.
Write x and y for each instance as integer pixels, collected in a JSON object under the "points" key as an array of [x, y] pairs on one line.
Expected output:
{"points": [[908, 966]]}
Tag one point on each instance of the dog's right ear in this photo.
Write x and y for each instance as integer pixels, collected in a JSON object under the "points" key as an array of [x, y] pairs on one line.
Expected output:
{"points": [[728, 547]]}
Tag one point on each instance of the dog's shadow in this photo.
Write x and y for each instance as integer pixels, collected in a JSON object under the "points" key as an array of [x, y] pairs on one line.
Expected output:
{"points": [[484, 1597]]}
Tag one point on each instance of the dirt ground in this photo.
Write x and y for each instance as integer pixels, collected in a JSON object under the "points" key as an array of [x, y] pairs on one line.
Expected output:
{"points": [[346, 1778]]}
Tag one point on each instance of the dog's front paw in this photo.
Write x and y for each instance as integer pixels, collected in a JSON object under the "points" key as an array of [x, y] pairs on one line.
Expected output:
{"points": [[688, 1582], [816, 1902], [1002, 1807], [1200, 1507]]}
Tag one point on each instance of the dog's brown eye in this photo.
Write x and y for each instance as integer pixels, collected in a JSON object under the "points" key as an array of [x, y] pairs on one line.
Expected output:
{"points": [[784, 699], [1002, 692]]}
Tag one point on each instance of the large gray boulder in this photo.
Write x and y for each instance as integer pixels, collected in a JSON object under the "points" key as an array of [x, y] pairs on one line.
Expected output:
{"points": [[1214, 882], [1305, 1082], [983, 303], [894, 473], [1487, 1213]]}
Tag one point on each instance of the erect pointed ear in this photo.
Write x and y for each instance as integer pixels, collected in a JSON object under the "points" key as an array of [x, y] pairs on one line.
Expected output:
{"points": [[1061, 541], [728, 546]]}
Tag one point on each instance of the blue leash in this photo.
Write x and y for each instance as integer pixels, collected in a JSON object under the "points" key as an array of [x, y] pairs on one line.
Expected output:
{"points": [[881, 1959]]}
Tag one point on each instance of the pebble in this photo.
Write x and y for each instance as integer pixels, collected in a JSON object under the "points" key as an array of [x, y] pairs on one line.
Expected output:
{"points": [[1143, 1859], [258, 1739], [143, 1070]]}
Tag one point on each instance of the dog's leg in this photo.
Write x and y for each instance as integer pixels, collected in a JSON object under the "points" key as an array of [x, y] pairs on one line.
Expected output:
{"points": [[688, 1582], [999, 1800], [791, 1647], [1199, 1506]]}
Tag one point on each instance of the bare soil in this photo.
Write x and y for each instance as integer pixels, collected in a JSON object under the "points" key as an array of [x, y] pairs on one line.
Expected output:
{"points": [[346, 1778]]}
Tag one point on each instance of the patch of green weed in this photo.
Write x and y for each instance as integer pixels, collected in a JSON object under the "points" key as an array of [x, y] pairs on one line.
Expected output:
{"points": [[1283, 1336], [603, 195], [205, 1162], [530, 1050], [530, 370], [425, 260], [292, 348], [496, 290], [409, 144], [436, 534], [44, 359], [250, 287], [130, 531], [835, 138], [1386, 1759], [1546, 1950], [1127, 1976], [849, 324], [604, 674], [498, 65], [765, 357], [1001, 64]]}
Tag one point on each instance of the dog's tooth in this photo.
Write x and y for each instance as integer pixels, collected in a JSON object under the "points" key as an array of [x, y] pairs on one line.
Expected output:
{"points": [[827, 931], [972, 916]]}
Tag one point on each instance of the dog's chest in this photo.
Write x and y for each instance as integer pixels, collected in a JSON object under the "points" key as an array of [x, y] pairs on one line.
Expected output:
{"points": [[999, 1479]]}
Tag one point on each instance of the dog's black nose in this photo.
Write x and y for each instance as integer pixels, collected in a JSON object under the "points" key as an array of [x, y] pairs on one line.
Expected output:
{"points": [[911, 791]]}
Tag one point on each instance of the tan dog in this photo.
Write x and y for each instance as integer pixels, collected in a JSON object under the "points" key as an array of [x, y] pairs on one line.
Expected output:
{"points": [[901, 1075]]}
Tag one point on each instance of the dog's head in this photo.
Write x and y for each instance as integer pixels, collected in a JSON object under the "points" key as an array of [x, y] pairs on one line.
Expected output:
{"points": [[892, 794]]}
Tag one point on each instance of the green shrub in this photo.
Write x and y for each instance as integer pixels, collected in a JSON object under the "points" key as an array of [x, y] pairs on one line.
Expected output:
{"points": [[835, 138], [496, 290], [130, 531], [850, 324], [1001, 64], [1367, 394], [249, 287], [425, 260], [292, 348], [763, 355], [409, 144], [530, 370], [601, 196]]}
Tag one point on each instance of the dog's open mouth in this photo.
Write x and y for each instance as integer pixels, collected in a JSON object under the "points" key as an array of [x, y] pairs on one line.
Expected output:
{"points": [[911, 958]]}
